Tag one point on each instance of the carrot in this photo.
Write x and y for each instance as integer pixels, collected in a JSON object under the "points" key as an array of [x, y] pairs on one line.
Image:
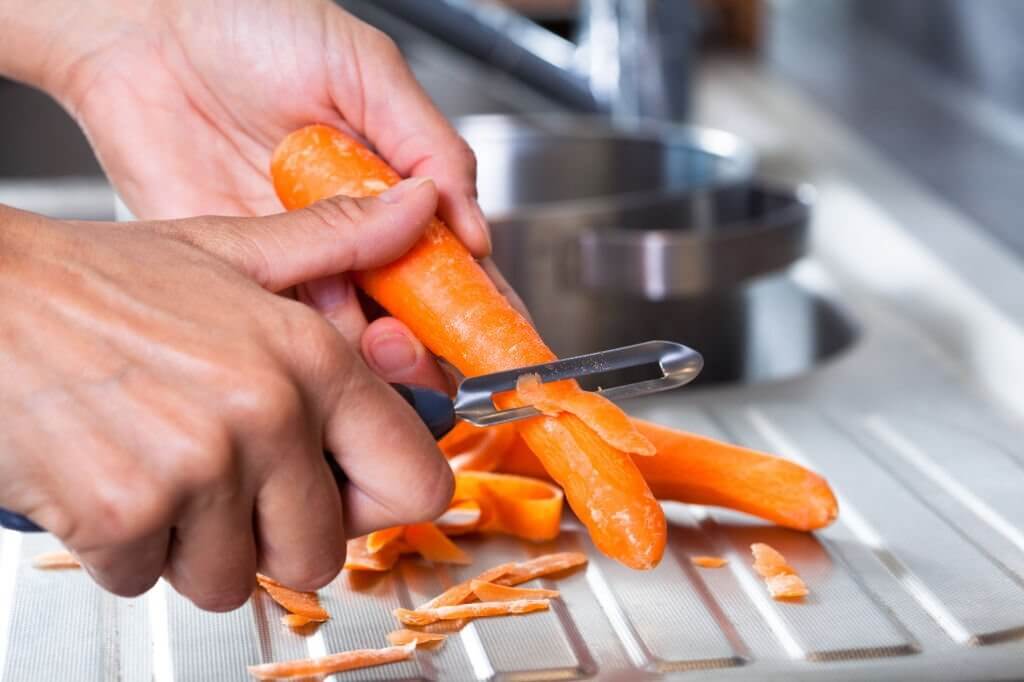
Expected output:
{"points": [[459, 593], [294, 620], [474, 448], [60, 559], [699, 470], [483, 609], [434, 545], [359, 558], [334, 663], [450, 303], [461, 517], [379, 539], [541, 566], [305, 604], [708, 561], [780, 578], [514, 505], [485, 591], [417, 637]]}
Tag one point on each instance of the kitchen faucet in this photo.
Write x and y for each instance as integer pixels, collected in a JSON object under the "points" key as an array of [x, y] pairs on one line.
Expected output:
{"points": [[630, 59]]}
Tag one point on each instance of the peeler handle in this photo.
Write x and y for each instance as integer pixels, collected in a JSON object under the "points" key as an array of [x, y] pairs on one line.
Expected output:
{"points": [[434, 408]]}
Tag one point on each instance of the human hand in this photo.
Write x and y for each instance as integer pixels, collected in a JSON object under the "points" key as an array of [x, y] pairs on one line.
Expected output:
{"points": [[163, 413], [184, 100]]}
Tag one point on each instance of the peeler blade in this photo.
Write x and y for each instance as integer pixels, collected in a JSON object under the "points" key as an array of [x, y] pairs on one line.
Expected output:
{"points": [[679, 365]]}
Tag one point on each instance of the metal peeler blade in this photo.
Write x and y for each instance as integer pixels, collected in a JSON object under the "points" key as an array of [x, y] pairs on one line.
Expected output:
{"points": [[679, 365]]}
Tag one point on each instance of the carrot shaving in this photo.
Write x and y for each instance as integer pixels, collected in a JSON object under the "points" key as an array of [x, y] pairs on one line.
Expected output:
{"points": [[780, 578], [379, 539], [294, 620], [305, 604], [334, 663], [434, 545], [486, 609], [786, 587], [708, 561], [485, 591], [359, 558], [457, 594], [416, 637], [594, 410], [461, 517], [51, 561], [474, 448], [541, 566], [514, 505]]}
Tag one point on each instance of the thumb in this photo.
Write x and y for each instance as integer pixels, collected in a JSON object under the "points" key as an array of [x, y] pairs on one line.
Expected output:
{"points": [[332, 236]]}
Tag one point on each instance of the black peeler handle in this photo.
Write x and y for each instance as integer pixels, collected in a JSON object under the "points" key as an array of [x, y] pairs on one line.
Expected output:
{"points": [[434, 407]]}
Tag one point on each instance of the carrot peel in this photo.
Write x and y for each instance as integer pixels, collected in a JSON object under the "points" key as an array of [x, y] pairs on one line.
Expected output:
{"points": [[304, 604], [434, 545], [485, 591], [421, 617], [333, 663]]}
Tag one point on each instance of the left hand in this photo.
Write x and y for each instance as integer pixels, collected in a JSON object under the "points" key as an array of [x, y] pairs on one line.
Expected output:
{"points": [[184, 101]]}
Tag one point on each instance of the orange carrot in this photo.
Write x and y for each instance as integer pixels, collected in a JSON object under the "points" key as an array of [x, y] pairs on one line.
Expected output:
{"points": [[483, 609], [334, 663], [294, 620], [359, 558], [379, 539], [459, 593], [708, 561], [434, 545], [541, 566], [450, 303], [60, 559], [416, 637], [305, 604], [474, 448], [485, 591], [698, 470], [514, 505], [780, 578]]}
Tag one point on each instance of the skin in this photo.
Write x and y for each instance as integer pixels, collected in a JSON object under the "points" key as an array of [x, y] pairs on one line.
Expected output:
{"points": [[164, 410]]}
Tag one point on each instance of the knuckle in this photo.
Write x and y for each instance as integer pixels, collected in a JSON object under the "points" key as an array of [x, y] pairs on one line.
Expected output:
{"points": [[207, 457], [383, 44], [130, 509], [265, 400], [338, 212], [314, 340]]}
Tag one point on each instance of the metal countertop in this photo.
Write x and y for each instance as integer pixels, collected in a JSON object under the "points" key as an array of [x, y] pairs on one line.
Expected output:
{"points": [[917, 426]]}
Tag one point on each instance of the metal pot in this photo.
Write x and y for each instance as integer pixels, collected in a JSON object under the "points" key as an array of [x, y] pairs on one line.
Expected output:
{"points": [[614, 237]]}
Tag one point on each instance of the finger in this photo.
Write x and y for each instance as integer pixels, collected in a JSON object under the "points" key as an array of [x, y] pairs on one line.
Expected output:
{"points": [[332, 236], [396, 356], [386, 453], [335, 298], [398, 117], [128, 569], [299, 522], [212, 558], [491, 268]]}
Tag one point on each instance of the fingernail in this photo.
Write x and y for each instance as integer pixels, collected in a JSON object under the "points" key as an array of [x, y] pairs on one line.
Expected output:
{"points": [[403, 189], [327, 293], [393, 353], [481, 222]]}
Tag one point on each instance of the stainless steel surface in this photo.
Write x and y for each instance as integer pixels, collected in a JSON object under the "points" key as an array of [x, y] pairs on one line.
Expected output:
{"points": [[918, 425], [692, 245], [677, 366]]}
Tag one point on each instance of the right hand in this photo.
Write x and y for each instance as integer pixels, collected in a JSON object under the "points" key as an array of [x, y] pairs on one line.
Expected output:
{"points": [[163, 412]]}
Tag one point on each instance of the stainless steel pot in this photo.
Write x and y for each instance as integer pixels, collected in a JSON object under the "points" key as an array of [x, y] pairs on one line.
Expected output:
{"points": [[614, 237]]}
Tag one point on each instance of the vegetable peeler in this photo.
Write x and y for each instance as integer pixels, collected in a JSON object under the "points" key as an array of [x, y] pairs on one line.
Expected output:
{"points": [[474, 399]]}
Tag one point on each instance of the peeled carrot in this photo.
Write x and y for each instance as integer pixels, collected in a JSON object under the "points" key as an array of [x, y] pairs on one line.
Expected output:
{"points": [[305, 604], [485, 591], [484, 609], [699, 470], [450, 303], [334, 663], [434, 545]]}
